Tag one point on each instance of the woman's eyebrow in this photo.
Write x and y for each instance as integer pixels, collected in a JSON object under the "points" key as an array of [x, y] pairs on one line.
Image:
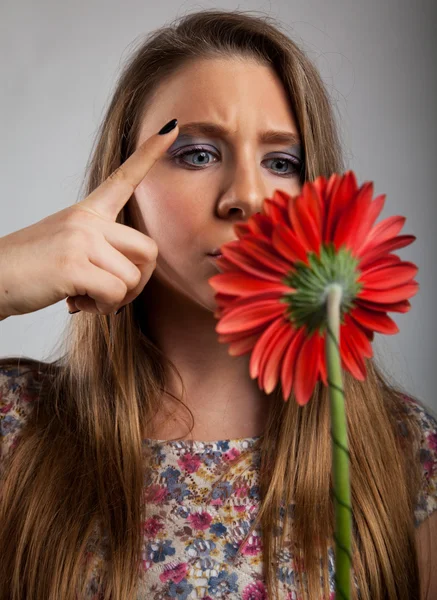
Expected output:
{"points": [[215, 130]]}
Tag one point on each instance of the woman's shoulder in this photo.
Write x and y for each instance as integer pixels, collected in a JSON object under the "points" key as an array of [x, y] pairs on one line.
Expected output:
{"points": [[427, 421], [426, 418], [20, 384]]}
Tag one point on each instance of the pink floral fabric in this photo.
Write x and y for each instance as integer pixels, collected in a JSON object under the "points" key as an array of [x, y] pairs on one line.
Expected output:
{"points": [[201, 502]]}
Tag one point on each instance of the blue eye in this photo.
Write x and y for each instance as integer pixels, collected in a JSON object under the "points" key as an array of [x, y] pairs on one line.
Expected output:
{"points": [[293, 163], [195, 150]]}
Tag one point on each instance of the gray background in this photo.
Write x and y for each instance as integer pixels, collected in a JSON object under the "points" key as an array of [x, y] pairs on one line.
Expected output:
{"points": [[59, 64]]}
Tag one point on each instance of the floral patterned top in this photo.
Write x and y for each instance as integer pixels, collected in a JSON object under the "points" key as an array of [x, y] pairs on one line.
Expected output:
{"points": [[197, 517]]}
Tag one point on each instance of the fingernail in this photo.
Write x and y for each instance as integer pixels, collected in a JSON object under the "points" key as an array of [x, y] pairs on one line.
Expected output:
{"points": [[74, 312], [119, 310], [168, 126]]}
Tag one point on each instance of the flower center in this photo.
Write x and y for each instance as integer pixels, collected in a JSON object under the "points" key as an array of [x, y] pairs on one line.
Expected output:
{"points": [[310, 283]]}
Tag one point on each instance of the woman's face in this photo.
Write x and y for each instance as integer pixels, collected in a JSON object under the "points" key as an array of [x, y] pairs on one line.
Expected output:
{"points": [[189, 204]]}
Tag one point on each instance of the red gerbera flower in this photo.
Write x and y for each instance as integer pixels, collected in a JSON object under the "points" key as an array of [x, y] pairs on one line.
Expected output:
{"points": [[271, 294]]}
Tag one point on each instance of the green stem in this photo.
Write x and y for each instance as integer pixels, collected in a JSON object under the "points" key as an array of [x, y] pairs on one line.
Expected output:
{"points": [[340, 452]]}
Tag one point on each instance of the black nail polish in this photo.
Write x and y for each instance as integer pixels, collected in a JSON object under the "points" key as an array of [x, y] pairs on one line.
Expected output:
{"points": [[74, 312], [168, 126]]}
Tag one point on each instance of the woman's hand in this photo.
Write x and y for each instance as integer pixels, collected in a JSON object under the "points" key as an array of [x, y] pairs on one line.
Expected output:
{"points": [[81, 253]]}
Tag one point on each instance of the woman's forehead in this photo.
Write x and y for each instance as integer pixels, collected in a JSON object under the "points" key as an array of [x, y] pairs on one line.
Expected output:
{"points": [[213, 102]]}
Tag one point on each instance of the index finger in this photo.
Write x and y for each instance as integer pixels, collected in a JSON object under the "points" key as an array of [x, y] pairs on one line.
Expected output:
{"points": [[112, 194]]}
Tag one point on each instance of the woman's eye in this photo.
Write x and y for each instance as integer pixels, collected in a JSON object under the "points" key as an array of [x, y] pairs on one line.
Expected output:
{"points": [[202, 157], [293, 165]]}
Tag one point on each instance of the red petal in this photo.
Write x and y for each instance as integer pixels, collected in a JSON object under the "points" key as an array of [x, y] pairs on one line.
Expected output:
{"points": [[282, 198], [308, 209], [320, 184], [384, 230], [359, 335], [322, 361], [245, 301], [259, 350], [379, 322], [242, 229], [287, 243], [289, 361], [236, 256], [253, 314], [394, 295], [390, 276], [266, 345], [355, 220], [224, 300], [240, 347], [373, 213], [303, 225], [265, 254], [225, 266], [229, 338], [240, 284], [275, 213], [306, 370], [384, 261], [351, 359], [372, 254], [273, 356], [329, 193], [403, 306], [315, 205], [260, 225], [342, 193]]}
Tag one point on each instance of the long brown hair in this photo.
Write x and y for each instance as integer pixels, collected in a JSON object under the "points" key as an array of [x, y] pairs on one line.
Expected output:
{"points": [[80, 463]]}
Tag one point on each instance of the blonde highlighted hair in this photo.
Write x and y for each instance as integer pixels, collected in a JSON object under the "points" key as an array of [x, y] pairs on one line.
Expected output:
{"points": [[80, 462]]}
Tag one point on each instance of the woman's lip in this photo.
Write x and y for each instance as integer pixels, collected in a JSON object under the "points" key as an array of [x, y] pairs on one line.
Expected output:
{"points": [[215, 255]]}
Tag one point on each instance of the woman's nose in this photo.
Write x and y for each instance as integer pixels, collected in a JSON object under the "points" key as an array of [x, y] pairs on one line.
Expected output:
{"points": [[245, 193]]}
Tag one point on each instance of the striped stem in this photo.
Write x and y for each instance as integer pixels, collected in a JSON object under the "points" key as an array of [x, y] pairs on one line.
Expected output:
{"points": [[340, 452]]}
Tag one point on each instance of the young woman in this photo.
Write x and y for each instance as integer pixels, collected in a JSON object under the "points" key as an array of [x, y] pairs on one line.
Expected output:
{"points": [[106, 490]]}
